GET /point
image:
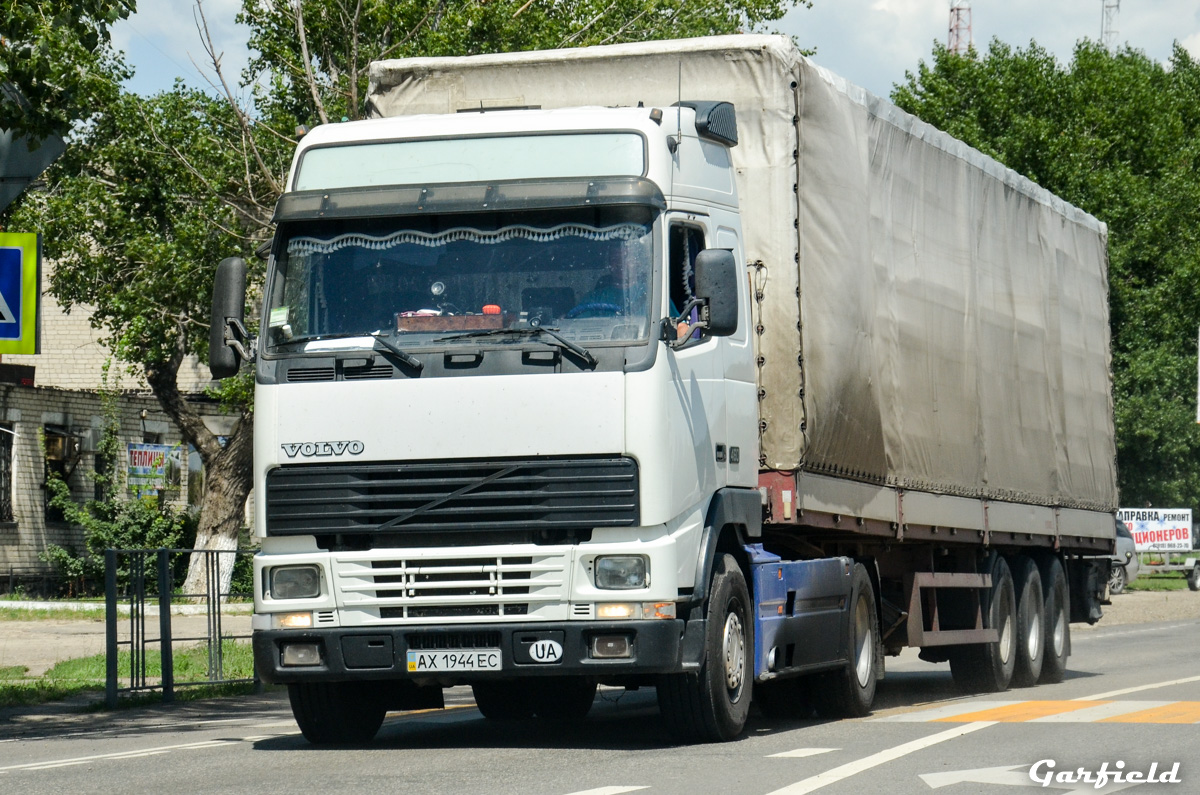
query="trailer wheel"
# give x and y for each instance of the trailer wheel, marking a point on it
(336, 713)
(1194, 578)
(1031, 622)
(563, 699)
(850, 691)
(1117, 579)
(712, 706)
(1058, 620)
(504, 700)
(988, 667)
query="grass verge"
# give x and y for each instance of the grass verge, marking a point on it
(84, 674)
(48, 614)
(1170, 581)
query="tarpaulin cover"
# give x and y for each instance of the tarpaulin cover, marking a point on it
(931, 320)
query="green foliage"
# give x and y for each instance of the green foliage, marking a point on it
(111, 524)
(57, 54)
(1118, 135)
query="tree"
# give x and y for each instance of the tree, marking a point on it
(58, 57)
(1118, 135)
(155, 192)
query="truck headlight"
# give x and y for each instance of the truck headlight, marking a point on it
(622, 572)
(295, 582)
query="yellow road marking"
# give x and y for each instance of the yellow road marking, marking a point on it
(1020, 711)
(1179, 712)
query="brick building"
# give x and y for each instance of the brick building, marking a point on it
(64, 407)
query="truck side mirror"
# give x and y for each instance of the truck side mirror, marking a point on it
(716, 283)
(228, 313)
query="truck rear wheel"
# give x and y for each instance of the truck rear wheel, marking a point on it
(850, 691)
(504, 700)
(988, 667)
(713, 706)
(1057, 613)
(336, 713)
(1031, 622)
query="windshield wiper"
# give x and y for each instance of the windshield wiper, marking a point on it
(533, 331)
(401, 354)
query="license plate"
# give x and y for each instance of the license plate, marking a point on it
(455, 660)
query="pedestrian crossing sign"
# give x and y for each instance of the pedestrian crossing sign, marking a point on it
(20, 292)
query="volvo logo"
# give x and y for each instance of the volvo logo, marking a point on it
(315, 449)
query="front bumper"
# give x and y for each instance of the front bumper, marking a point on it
(363, 653)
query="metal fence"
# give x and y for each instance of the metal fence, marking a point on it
(39, 582)
(142, 581)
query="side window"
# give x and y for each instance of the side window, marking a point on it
(62, 456)
(686, 242)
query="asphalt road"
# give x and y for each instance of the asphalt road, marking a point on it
(1132, 696)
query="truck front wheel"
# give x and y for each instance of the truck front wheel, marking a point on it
(504, 700)
(988, 667)
(712, 706)
(336, 713)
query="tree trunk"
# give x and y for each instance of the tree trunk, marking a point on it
(229, 475)
(227, 481)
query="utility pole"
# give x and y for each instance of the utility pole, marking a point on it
(1108, 23)
(959, 39)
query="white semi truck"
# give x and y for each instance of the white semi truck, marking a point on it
(680, 364)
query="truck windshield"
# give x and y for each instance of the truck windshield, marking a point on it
(423, 280)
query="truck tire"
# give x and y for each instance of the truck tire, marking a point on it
(565, 699)
(988, 667)
(1194, 578)
(504, 700)
(1031, 622)
(1117, 580)
(1058, 620)
(849, 691)
(712, 706)
(336, 713)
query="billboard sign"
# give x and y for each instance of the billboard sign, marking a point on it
(151, 467)
(1159, 529)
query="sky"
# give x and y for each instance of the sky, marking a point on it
(869, 42)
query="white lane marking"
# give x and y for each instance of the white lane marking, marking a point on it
(1138, 689)
(800, 753)
(607, 791)
(1091, 714)
(1011, 776)
(117, 755)
(949, 711)
(983, 775)
(874, 760)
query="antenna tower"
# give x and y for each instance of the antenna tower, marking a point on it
(1108, 23)
(960, 38)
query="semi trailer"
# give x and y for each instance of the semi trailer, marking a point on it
(681, 364)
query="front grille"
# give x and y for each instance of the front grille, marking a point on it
(307, 374)
(361, 373)
(449, 497)
(414, 587)
(434, 641)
